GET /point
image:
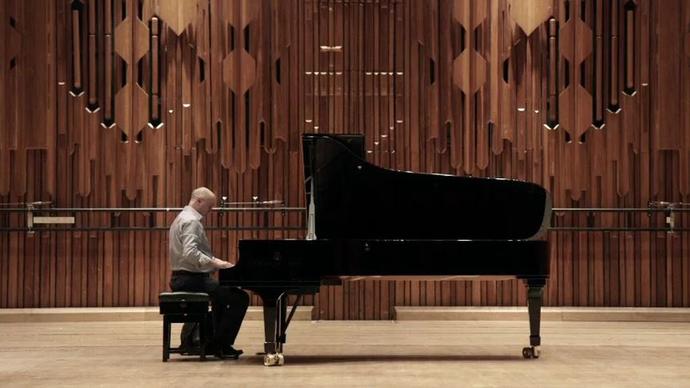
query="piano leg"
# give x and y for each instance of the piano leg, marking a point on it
(275, 307)
(535, 297)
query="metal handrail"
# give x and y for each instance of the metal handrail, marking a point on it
(613, 229)
(145, 209)
(115, 213)
(619, 210)
(289, 208)
(670, 209)
(148, 229)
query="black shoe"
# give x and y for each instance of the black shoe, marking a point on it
(225, 352)
(189, 349)
(213, 349)
(231, 352)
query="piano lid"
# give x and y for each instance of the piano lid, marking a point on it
(354, 199)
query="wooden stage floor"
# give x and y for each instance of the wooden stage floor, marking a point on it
(356, 353)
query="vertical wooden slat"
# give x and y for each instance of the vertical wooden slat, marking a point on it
(629, 270)
(92, 69)
(598, 73)
(76, 51)
(667, 108)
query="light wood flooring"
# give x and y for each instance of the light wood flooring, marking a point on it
(355, 353)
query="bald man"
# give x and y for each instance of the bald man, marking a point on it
(192, 263)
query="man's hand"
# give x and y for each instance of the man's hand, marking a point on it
(220, 264)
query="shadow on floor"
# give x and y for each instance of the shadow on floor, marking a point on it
(348, 358)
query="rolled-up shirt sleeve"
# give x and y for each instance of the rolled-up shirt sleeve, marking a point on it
(191, 237)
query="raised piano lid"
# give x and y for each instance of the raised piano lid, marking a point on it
(354, 199)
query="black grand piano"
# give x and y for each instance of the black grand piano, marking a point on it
(365, 220)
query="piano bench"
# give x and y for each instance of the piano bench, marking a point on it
(183, 307)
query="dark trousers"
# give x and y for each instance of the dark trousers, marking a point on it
(228, 305)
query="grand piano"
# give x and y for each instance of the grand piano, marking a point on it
(368, 221)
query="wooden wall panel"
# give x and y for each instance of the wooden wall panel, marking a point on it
(133, 103)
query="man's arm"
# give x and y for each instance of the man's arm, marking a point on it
(191, 239)
(220, 264)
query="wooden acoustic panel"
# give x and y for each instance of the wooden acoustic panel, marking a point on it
(133, 103)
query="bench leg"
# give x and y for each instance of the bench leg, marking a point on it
(166, 339)
(202, 338)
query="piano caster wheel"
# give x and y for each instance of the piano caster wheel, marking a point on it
(274, 359)
(530, 352)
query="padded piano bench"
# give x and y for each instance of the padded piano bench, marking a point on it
(181, 307)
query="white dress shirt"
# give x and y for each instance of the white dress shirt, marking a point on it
(188, 246)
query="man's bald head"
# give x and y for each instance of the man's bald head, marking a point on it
(202, 200)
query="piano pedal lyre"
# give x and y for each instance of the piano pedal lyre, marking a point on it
(274, 359)
(531, 352)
